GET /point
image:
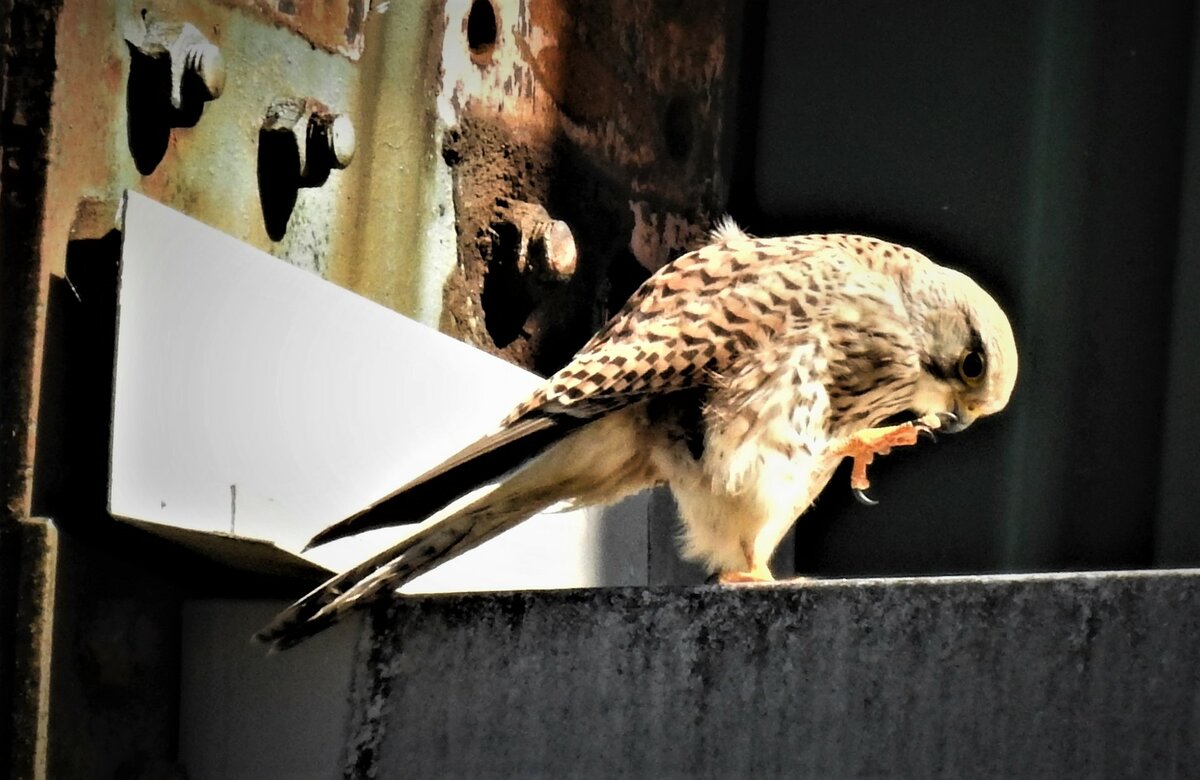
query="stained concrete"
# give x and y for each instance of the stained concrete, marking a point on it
(1087, 675)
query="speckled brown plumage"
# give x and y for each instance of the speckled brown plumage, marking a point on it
(739, 375)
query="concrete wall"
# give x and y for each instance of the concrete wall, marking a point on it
(244, 715)
(1083, 675)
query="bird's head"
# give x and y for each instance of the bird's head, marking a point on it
(969, 356)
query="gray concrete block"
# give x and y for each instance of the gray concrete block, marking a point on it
(1086, 675)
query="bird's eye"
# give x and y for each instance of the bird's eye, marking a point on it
(971, 367)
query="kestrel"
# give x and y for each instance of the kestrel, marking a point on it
(739, 375)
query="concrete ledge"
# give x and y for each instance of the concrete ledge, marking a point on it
(1081, 675)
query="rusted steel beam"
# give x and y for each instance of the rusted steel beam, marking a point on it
(333, 25)
(610, 117)
(27, 73)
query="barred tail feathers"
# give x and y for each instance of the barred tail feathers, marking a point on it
(390, 570)
(590, 466)
(489, 458)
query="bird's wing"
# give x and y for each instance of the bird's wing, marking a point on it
(481, 462)
(687, 322)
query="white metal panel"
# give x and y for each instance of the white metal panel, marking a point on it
(257, 399)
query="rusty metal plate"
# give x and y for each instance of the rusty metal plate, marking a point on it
(334, 25)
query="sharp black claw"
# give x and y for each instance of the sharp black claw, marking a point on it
(927, 432)
(863, 498)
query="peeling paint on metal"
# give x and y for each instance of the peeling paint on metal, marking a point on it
(440, 245)
(580, 108)
(333, 25)
(346, 229)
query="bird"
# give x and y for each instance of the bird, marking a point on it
(739, 375)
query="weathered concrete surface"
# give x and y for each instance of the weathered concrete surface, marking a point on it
(1090, 675)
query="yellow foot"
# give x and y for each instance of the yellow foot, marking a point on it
(761, 574)
(865, 445)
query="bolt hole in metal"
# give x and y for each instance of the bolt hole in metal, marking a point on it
(506, 298)
(278, 180)
(482, 31)
(148, 114)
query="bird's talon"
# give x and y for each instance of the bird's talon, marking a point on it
(863, 498)
(758, 574)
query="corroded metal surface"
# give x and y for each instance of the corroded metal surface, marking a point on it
(209, 170)
(27, 70)
(334, 25)
(27, 566)
(639, 87)
(609, 115)
(27, 43)
(34, 627)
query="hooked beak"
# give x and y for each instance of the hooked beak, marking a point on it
(960, 419)
(952, 422)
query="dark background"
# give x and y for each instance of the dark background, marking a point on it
(1049, 150)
